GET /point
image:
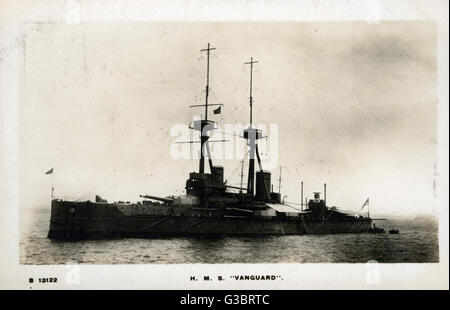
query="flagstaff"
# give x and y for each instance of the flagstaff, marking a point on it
(51, 172)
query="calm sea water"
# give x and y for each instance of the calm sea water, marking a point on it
(417, 242)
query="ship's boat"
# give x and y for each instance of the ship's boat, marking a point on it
(210, 206)
(394, 231)
(376, 230)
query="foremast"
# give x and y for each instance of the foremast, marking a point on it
(204, 126)
(206, 186)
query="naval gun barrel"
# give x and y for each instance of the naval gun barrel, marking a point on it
(167, 200)
(236, 187)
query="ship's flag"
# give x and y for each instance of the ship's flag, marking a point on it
(365, 204)
(217, 111)
(50, 171)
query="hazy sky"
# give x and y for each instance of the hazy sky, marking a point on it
(355, 105)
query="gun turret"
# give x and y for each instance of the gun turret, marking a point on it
(166, 200)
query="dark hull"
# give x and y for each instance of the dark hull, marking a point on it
(83, 220)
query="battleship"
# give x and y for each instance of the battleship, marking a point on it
(209, 207)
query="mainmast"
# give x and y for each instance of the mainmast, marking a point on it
(251, 88)
(252, 134)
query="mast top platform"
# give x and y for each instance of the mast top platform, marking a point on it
(253, 134)
(204, 125)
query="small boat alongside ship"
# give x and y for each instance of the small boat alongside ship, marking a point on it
(376, 230)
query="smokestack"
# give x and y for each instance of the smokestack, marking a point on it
(325, 193)
(301, 198)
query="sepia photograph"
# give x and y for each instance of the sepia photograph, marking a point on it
(192, 145)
